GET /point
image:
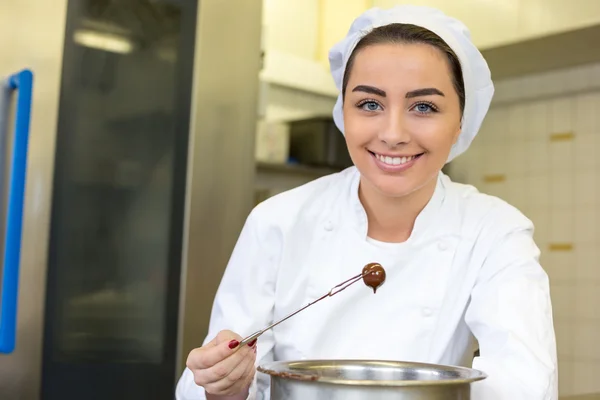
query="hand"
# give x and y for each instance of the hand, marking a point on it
(221, 370)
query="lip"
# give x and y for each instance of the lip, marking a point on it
(394, 168)
(393, 155)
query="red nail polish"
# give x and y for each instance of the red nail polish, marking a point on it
(233, 344)
(252, 343)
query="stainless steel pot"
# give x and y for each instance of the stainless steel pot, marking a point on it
(370, 380)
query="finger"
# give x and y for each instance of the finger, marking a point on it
(226, 336)
(221, 337)
(250, 372)
(224, 368)
(212, 343)
(236, 381)
(209, 356)
(239, 373)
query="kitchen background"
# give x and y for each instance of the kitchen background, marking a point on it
(129, 174)
(538, 148)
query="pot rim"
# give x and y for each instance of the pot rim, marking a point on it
(280, 369)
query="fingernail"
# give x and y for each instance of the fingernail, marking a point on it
(233, 344)
(252, 343)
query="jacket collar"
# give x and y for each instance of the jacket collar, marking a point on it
(424, 224)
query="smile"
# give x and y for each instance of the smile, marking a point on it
(394, 164)
(395, 160)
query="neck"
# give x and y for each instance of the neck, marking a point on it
(392, 219)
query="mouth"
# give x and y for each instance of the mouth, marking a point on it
(395, 160)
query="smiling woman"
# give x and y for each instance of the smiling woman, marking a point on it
(461, 267)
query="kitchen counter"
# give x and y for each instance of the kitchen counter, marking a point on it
(594, 396)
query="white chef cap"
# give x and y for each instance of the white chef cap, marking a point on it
(479, 88)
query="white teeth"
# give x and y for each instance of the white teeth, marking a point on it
(394, 160)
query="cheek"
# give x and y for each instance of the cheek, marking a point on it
(434, 135)
(358, 129)
(355, 142)
(358, 136)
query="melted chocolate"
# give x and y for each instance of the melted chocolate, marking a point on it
(373, 275)
(290, 375)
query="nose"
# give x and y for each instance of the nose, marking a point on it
(394, 131)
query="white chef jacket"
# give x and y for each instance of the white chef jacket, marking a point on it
(468, 274)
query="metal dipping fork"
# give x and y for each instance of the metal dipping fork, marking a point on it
(335, 290)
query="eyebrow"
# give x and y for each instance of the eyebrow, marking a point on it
(370, 90)
(424, 92)
(411, 94)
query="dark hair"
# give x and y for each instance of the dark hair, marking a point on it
(410, 34)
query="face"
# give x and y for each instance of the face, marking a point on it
(401, 116)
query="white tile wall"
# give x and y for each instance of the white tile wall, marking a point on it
(557, 185)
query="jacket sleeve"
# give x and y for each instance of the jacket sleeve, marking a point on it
(510, 314)
(245, 299)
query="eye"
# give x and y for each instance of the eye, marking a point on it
(369, 105)
(424, 108)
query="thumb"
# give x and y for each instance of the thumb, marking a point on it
(214, 351)
(226, 336)
(222, 337)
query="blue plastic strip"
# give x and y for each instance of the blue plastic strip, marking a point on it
(23, 82)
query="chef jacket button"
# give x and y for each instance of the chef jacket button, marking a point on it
(427, 312)
(442, 246)
(328, 226)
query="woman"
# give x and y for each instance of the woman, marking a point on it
(461, 266)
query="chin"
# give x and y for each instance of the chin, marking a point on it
(397, 186)
(394, 187)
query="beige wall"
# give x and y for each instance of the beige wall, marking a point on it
(308, 28)
(335, 18)
(499, 22)
(291, 26)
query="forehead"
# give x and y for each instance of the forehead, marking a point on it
(403, 66)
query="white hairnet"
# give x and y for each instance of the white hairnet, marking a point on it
(479, 88)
